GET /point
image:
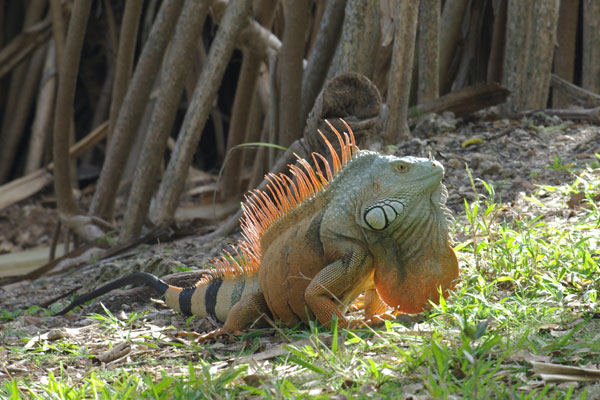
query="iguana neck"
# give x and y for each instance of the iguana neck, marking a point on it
(413, 262)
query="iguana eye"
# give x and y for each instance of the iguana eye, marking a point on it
(401, 167)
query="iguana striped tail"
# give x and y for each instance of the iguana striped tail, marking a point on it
(213, 295)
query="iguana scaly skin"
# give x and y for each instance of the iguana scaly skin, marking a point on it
(373, 223)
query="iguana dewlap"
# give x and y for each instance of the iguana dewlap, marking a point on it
(373, 223)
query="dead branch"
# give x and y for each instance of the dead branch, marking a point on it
(579, 94)
(133, 108)
(396, 124)
(462, 102)
(206, 89)
(590, 114)
(189, 29)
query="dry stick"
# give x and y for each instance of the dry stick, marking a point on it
(64, 109)
(429, 50)
(360, 33)
(564, 54)
(124, 61)
(396, 125)
(242, 104)
(582, 96)
(450, 25)
(590, 114)
(189, 30)
(40, 130)
(290, 71)
(206, 89)
(133, 108)
(321, 54)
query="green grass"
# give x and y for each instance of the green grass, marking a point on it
(528, 290)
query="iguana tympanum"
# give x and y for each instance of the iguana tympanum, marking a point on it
(373, 223)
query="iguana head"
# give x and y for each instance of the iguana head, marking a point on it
(404, 221)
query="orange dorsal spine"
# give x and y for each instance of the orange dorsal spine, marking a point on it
(262, 208)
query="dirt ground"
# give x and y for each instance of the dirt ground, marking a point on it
(515, 155)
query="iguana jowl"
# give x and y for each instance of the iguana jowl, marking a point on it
(372, 223)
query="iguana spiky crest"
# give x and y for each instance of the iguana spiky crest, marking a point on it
(262, 209)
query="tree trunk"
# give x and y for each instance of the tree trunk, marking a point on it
(220, 52)
(189, 29)
(530, 38)
(358, 45)
(290, 71)
(429, 50)
(133, 108)
(396, 125)
(591, 46)
(564, 55)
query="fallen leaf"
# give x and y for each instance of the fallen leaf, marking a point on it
(471, 141)
(557, 372)
(117, 351)
(575, 200)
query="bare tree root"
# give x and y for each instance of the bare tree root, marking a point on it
(186, 37)
(67, 207)
(197, 113)
(321, 54)
(125, 53)
(133, 108)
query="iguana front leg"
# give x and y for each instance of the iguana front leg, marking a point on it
(375, 309)
(325, 292)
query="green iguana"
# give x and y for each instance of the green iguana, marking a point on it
(373, 223)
